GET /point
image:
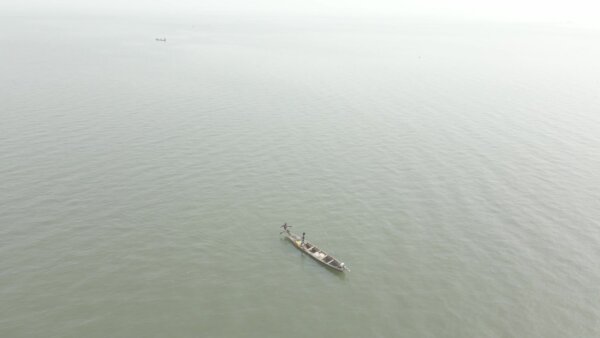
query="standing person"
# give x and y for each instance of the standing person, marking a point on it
(285, 228)
(302, 243)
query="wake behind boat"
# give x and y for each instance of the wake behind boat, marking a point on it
(311, 250)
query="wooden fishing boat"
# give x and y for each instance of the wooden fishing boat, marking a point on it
(314, 252)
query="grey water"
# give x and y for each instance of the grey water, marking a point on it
(454, 167)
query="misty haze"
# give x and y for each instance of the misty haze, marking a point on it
(446, 158)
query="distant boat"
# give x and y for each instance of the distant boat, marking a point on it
(163, 39)
(311, 250)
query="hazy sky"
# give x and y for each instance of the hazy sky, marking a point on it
(575, 11)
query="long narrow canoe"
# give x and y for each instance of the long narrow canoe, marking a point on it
(314, 252)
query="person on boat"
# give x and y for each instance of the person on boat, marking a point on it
(285, 228)
(302, 243)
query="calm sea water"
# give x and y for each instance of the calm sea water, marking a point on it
(455, 168)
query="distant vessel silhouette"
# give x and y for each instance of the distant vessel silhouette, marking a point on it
(163, 39)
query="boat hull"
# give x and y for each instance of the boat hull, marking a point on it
(315, 253)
